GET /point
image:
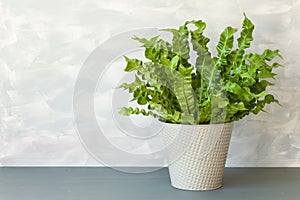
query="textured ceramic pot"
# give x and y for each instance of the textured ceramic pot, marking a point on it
(197, 154)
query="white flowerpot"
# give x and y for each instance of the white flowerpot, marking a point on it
(197, 154)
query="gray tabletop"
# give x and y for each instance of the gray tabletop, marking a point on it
(104, 183)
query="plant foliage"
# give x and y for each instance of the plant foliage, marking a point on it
(221, 88)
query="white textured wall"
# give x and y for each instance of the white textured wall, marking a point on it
(43, 45)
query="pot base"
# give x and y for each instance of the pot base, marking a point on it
(197, 189)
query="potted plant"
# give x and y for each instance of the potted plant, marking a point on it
(199, 102)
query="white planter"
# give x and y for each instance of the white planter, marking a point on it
(197, 154)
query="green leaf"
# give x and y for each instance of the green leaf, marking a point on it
(184, 93)
(147, 43)
(244, 42)
(266, 74)
(270, 55)
(276, 65)
(261, 86)
(132, 64)
(270, 99)
(134, 85)
(225, 45)
(238, 90)
(180, 43)
(248, 80)
(246, 34)
(129, 111)
(198, 40)
(174, 62)
(237, 107)
(261, 103)
(157, 50)
(125, 111)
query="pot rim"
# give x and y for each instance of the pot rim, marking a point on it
(221, 123)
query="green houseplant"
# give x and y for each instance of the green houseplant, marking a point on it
(215, 90)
